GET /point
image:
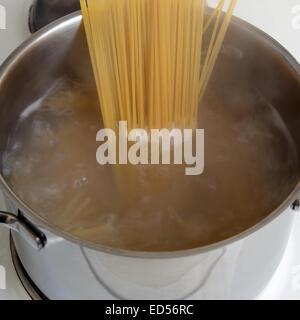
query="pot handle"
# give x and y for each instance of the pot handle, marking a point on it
(31, 234)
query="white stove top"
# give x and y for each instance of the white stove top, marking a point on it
(281, 19)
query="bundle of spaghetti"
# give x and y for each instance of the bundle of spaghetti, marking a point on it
(148, 61)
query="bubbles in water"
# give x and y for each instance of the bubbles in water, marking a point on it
(51, 164)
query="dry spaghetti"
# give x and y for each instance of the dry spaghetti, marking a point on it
(148, 61)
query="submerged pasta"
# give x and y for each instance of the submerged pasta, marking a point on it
(50, 163)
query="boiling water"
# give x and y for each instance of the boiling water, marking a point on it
(250, 165)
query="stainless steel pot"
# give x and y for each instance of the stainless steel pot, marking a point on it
(64, 267)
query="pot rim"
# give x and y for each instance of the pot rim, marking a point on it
(43, 223)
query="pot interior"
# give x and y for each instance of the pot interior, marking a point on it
(49, 117)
